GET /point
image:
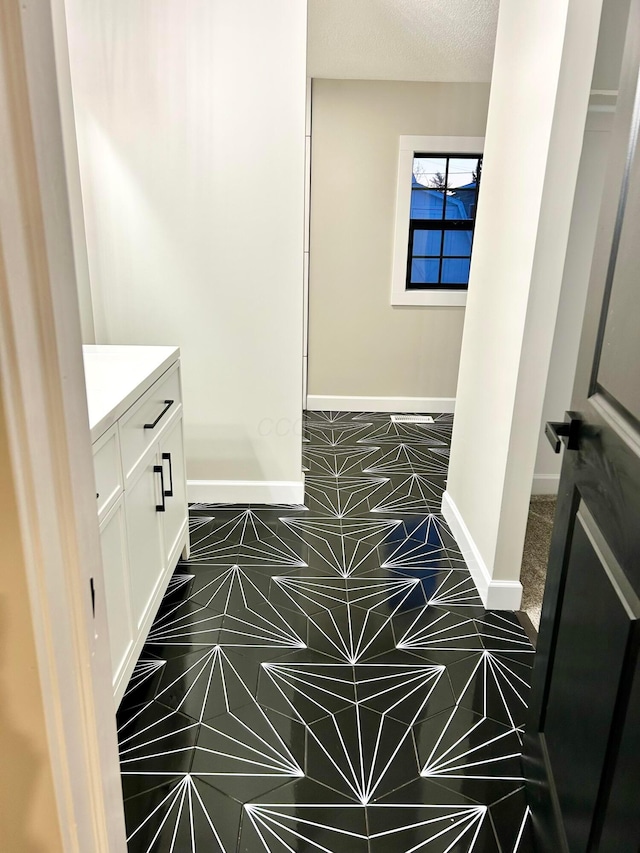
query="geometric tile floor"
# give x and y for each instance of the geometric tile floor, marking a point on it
(324, 677)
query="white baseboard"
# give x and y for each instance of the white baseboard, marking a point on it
(245, 491)
(495, 594)
(543, 485)
(423, 405)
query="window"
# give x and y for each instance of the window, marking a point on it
(444, 197)
(437, 198)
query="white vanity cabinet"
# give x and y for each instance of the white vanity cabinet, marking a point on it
(135, 413)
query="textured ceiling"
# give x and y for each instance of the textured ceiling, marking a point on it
(434, 40)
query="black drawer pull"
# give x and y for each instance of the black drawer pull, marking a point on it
(158, 469)
(167, 406)
(169, 492)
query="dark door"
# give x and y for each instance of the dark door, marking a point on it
(582, 748)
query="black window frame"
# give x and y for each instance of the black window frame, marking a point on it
(442, 225)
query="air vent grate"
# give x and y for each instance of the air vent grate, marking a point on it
(411, 419)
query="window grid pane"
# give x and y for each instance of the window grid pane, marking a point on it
(425, 270)
(455, 270)
(458, 243)
(427, 243)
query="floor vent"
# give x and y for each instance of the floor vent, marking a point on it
(412, 419)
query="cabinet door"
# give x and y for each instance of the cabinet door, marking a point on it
(144, 537)
(174, 519)
(113, 543)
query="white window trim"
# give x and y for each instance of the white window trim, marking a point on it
(409, 145)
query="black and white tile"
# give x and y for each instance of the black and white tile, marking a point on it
(324, 677)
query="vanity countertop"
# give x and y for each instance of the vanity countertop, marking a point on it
(116, 376)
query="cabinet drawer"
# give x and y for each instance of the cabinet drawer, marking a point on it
(108, 470)
(144, 422)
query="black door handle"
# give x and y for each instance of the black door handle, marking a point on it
(167, 406)
(567, 431)
(169, 491)
(158, 469)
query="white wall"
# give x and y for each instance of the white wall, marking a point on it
(539, 97)
(191, 132)
(359, 344)
(573, 296)
(28, 810)
(611, 38)
(76, 209)
(564, 355)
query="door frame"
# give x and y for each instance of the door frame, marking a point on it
(307, 239)
(44, 399)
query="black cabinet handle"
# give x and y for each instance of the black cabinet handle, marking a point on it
(167, 406)
(558, 431)
(158, 469)
(169, 491)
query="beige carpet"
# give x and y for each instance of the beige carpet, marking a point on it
(536, 554)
